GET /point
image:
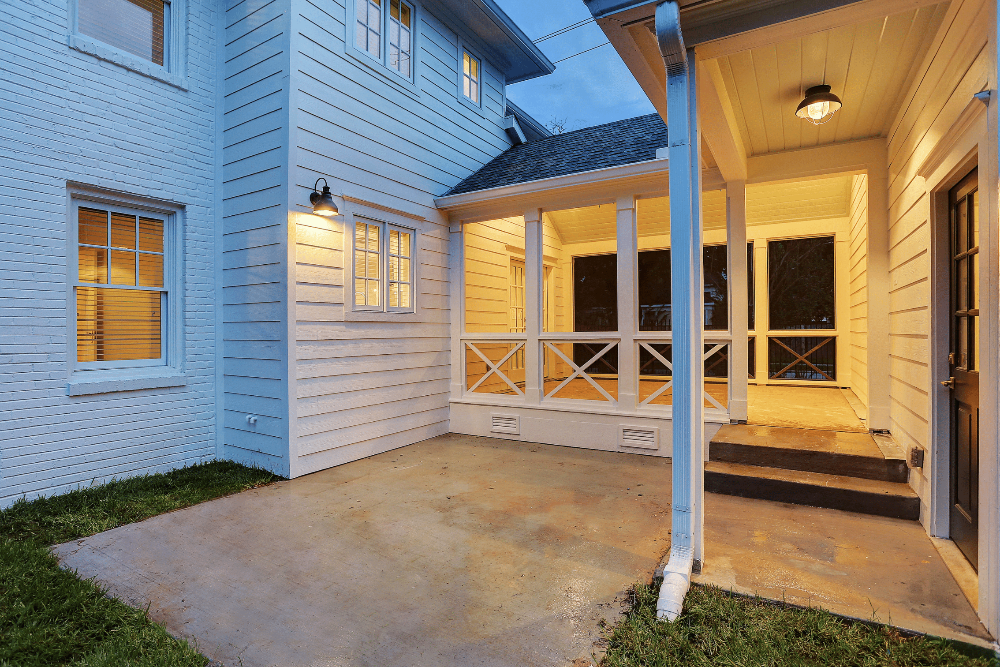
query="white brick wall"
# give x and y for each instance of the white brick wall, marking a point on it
(66, 116)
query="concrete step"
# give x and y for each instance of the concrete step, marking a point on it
(827, 452)
(839, 492)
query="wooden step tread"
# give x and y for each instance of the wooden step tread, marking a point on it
(813, 479)
(801, 439)
(839, 492)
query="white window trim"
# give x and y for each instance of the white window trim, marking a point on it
(383, 312)
(380, 66)
(462, 50)
(174, 68)
(110, 376)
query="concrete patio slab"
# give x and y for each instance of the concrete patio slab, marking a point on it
(455, 551)
(850, 564)
(474, 551)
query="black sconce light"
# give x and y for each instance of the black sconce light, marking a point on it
(323, 202)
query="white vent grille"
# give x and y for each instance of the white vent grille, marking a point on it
(505, 424)
(643, 437)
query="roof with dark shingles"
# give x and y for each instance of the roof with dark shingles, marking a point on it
(599, 147)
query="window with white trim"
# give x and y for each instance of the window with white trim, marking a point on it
(386, 36)
(120, 290)
(470, 77)
(138, 27)
(383, 267)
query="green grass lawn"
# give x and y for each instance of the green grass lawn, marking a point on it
(717, 628)
(49, 616)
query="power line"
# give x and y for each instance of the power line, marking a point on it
(562, 31)
(580, 53)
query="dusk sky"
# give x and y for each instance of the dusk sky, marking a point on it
(589, 89)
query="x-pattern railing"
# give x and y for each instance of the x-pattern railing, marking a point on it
(494, 369)
(578, 371)
(669, 383)
(802, 358)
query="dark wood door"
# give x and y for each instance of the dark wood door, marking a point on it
(963, 361)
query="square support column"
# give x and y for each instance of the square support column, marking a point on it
(628, 303)
(736, 238)
(456, 278)
(533, 304)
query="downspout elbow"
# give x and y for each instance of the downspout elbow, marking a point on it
(676, 582)
(670, 39)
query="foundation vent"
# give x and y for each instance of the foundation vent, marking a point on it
(510, 424)
(643, 437)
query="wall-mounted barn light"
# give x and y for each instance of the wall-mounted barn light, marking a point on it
(819, 105)
(323, 202)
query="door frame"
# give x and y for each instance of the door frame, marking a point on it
(965, 147)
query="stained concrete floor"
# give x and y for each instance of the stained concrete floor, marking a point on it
(823, 408)
(454, 551)
(475, 551)
(850, 564)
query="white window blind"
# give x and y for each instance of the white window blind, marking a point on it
(367, 264)
(120, 292)
(138, 27)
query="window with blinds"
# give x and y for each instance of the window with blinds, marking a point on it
(138, 27)
(120, 291)
(383, 267)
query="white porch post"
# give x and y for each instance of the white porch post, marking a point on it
(628, 318)
(878, 295)
(533, 388)
(736, 238)
(687, 311)
(456, 277)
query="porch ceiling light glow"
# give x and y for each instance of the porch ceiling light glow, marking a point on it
(819, 105)
(322, 203)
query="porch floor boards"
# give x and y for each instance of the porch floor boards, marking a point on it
(821, 408)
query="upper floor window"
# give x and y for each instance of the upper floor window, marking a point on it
(373, 25)
(470, 77)
(138, 27)
(120, 288)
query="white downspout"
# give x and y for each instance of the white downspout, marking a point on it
(686, 288)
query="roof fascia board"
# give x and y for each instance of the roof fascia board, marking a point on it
(603, 8)
(516, 39)
(647, 178)
(527, 121)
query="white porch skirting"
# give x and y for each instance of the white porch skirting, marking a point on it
(588, 430)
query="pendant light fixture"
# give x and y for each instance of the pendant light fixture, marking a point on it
(819, 105)
(323, 203)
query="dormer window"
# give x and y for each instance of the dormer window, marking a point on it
(386, 36)
(470, 77)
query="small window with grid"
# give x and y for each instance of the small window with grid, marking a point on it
(470, 77)
(368, 29)
(383, 267)
(400, 270)
(400, 29)
(120, 291)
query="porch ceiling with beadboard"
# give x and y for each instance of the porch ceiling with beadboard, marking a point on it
(868, 51)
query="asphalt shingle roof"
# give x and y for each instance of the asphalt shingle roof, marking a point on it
(599, 147)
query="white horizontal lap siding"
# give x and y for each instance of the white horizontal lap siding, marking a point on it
(254, 252)
(859, 287)
(367, 386)
(956, 67)
(68, 117)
